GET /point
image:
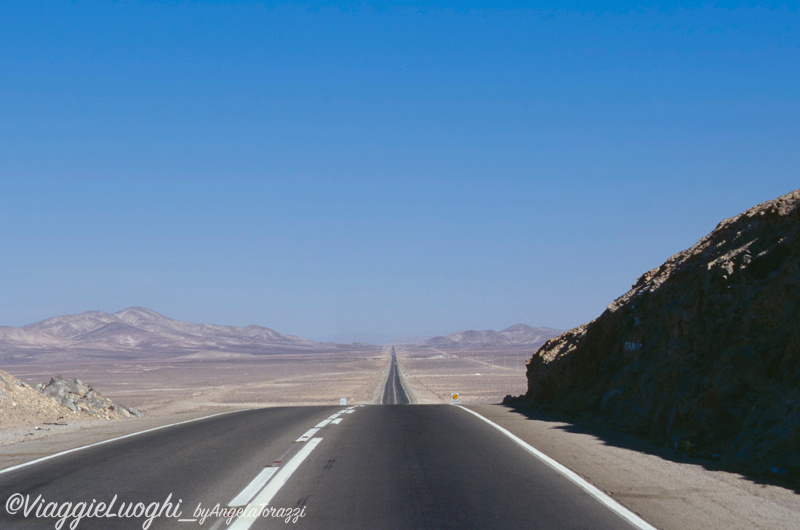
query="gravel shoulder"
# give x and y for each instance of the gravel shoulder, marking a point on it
(668, 494)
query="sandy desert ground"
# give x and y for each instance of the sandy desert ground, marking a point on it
(205, 382)
(211, 382)
(158, 387)
(479, 376)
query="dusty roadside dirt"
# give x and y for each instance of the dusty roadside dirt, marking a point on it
(667, 493)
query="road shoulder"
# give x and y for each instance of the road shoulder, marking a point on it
(24, 444)
(668, 494)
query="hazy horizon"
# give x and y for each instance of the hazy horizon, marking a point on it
(358, 169)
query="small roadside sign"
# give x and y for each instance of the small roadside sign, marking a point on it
(342, 401)
(454, 397)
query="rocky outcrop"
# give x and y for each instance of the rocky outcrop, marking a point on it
(22, 404)
(703, 353)
(60, 400)
(79, 397)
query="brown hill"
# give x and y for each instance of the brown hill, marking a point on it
(141, 332)
(702, 354)
(516, 335)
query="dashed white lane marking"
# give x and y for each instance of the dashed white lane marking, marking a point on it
(333, 418)
(610, 503)
(253, 510)
(311, 432)
(250, 491)
(245, 497)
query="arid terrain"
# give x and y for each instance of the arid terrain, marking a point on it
(669, 493)
(141, 359)
(479, 376)
(167, 386)
(159, 387)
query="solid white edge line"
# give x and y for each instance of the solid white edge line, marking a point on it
(256, 505)
(250, 491)
(81, 448)
(610, 503)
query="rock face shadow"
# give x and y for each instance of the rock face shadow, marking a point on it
(628, 441)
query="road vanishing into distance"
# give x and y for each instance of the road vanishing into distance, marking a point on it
(370, 467)
(393, 392)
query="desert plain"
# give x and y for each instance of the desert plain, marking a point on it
(208, 381)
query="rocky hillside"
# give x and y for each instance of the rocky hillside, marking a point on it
(702, 354)
(60, 400)
(517, 335)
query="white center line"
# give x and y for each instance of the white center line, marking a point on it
(311, 432)
(250, 491)
(253, 510)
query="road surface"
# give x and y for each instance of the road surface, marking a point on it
(372, 467)
(393, 392)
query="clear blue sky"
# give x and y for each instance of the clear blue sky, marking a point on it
(363, 170)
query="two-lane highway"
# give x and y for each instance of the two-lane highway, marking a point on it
(372, 467)
(433, 466)
(394, 393)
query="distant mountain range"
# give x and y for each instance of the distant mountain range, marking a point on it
(138, 332)
(144, 332)
(519, 335)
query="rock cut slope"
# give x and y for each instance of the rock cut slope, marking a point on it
(702, 354)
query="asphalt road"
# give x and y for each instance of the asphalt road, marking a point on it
(372, 467)
(393, 392)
